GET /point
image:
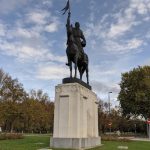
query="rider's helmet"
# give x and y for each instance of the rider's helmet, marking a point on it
(77, 25)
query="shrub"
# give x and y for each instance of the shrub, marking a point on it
(10, 136)
(113, 138)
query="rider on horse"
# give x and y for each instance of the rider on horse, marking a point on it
(77, 36)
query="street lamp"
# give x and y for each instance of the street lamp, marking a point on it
(109, 100)
(110, 123)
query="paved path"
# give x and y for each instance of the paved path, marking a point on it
(136, 138)
(140, 139)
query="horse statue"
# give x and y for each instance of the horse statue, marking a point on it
(74, 55)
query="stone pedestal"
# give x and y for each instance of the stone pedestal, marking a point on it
(75, 117)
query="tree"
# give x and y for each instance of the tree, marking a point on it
(19, 111)
(38, 112)
(39, 95)
(2, 78)
(103, 116)
(134, 96)
(12, 94)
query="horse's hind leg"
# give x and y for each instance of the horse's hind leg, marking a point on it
(87, 74)
(80, 71)
(70, 65)
(75, 71)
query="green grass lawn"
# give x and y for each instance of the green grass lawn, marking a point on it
(36, 142)
(28, 143)
(109, 145)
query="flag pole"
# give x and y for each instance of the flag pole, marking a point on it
(69, 7)
(69, 13)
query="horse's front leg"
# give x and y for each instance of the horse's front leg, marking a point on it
(70, 65)
(75, 66)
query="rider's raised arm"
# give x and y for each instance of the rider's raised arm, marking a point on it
(68, 21)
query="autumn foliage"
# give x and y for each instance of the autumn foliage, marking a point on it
(21, 111)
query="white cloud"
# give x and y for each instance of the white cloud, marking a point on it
(24, 52)
(17, 50)
(127, 19)
(43, 20)
(94, 30)
(25, 41)
(2, 30)
(30, 53)
(8, 48)
(134, 43)
(53, 27)
(124, 47)
(104, 72)
(112, 35)
(38, 17)
(47, 2)
(17, 31)
(52, 71)
(7, 6)
(146, 19)
(148, 35)
(92, 8)
(141, 6)
(105, 87)
(23, 33)
(124, 20)
(52, 57)
(119, 29)
(102, 89)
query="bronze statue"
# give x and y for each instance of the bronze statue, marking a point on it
(75, 43)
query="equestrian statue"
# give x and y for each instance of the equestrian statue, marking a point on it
(75, 44)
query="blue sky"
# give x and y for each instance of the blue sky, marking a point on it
(33, 37)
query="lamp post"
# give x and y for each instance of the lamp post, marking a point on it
(109, 101)
(135, 128)
(110, 123)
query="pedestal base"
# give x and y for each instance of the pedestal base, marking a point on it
(76, 80)
(75, 117)
(75, 143)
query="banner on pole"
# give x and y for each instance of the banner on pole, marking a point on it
(67, 7)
